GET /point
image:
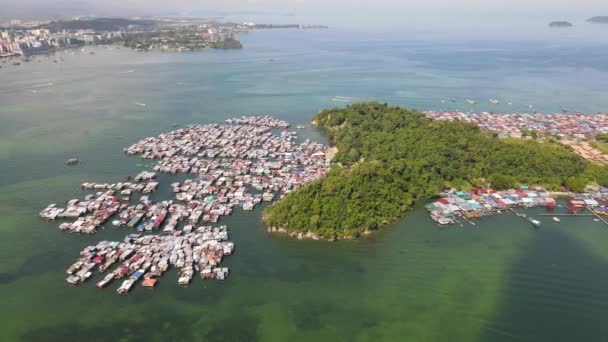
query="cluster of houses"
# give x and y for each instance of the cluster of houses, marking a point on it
(146, 258)
(479, 202)
(475, 203)
(237, 165)
(564, 126)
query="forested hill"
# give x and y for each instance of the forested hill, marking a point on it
(389, 157)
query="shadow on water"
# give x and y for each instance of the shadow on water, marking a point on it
(555, 292)
(166, 327)
(34, 265)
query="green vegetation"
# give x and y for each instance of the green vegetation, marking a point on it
(98, 24)
(175, 41)
(600, 145)
(602, 137)
(227, 44)
(389, 157)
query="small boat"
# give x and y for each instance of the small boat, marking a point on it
(494, 101)
(471, 102)
(535, 222)
(510, 103)
(300, 126)
(72, 161)
(453, 99)
(556, 219)
(105, 281)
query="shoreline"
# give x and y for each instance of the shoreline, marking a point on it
(310, 235)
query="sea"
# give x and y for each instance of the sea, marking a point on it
(497, 280)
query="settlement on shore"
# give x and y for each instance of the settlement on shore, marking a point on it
(239, 164)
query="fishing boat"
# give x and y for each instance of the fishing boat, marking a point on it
(72, 161)
(126, 286)
(105, 281)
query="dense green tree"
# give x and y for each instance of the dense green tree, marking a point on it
(389, 157)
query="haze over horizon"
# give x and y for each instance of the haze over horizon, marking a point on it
(353, 14)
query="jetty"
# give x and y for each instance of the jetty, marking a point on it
(477, 203)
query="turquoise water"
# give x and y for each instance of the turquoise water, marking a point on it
(498, 280)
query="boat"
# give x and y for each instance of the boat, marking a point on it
(105, 281)
(126, 286)
(73, 280)
(510, 103)
(494, 101)
(300, 126)
(471, 102)
(72, 161)
(556, 219)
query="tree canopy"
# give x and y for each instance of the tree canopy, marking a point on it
(389, 157)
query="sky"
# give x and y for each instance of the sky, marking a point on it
(350, 13)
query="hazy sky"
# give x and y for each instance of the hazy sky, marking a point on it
(344, 12)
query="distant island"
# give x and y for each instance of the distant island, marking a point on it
(390, 157)
(560, 24)
(598, 20)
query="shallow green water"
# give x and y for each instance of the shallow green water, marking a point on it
(497, 281)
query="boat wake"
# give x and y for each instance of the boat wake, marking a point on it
(31, 88)
(342, 99)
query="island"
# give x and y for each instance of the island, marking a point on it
(560, 24)
(598, 20)
(390, 157)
